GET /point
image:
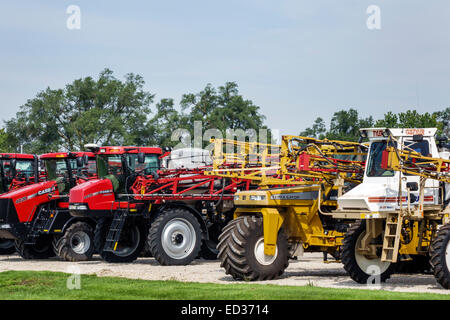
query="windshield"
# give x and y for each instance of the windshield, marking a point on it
(56, 169)
(422, 147)
(24, 168)
(150, 165)
(86, 171)
(111, 167)
(375, 156)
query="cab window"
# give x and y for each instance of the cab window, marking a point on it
(374, 168)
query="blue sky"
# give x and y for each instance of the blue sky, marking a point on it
(296, 59)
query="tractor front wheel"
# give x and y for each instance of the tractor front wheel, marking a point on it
(175, 237)
(42, 249)
(241, 251)
(362, 268)
(77, 243)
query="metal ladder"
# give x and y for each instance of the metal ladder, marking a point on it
(392, 233)
(115, 229)
(38, 226)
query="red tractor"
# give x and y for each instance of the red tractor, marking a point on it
(37, 216)
(16, 170)
(178, 213)
(108, 200)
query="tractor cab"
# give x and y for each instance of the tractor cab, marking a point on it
(16, 170)
(121, 165)
(117, 170)
(68, 169)
(380, 188)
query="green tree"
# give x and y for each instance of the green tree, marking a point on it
(444, 118)
(390, 121)
(104, 111)
(3, 141)
(345, 125)
(164, 122)
(223, 109)
(412, 119)
(318, 129)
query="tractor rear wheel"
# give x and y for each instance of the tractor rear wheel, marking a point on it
(130, 244)
(42, 249)
(361, 268)
(440, 256)
(7, 247)
(77, 243)
(241, 251)
(175, 237)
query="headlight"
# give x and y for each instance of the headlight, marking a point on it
(78, 207)
(5, 226)
(257, 198)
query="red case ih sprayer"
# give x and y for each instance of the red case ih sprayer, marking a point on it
(179, 213)
(37, 216)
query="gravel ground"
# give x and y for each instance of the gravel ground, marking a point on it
(308, 270)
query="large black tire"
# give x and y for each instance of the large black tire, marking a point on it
(77, 243)
(440, 256)
(356, 265)
(131, 242)
(7, 247)
(42, 249)
(241, 252)
(175, 237)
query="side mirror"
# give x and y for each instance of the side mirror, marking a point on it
(141, 157)
(413, 186)
(80, 162)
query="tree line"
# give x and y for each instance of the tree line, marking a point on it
(110, 111)
(345, 124)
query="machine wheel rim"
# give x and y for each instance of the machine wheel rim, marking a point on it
(262, 258)
(178, 238)
(80, 242)
(366, 264)
(134, 235)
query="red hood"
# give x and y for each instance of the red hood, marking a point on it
(26, 200)
(97, 194)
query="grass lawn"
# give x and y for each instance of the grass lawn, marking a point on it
(52, 285)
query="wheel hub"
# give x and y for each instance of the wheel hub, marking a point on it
(261, 257)
(178, 238)
(80, 242)
(369, 263)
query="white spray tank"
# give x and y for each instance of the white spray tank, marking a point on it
(187, 158)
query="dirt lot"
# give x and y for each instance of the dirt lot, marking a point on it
(308, 270)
